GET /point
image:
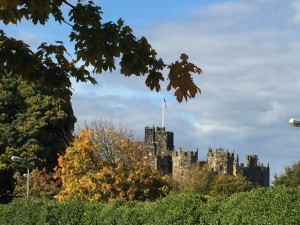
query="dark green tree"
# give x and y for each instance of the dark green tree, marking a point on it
(291, 177)
(97, 44)
(35, 123)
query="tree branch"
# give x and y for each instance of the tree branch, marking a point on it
(69, 4)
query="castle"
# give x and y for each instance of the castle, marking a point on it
(159, 149)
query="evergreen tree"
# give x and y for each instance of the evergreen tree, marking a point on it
(36, 123)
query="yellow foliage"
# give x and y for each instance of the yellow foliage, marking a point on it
(131, 176)
(104, 164)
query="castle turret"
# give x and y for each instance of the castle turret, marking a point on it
(258, 174)
(251, 160)
(236, 166)
(220, 161)
(159, 145)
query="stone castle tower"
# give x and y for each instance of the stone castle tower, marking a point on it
(161, 156)
(222, 162)
(159, 146)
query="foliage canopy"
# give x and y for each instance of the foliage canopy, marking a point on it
(105, 164)
(36, 123)
(97, 44)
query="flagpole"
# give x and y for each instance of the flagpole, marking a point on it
(163, 113)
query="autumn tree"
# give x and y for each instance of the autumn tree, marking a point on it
(291, 176)
(203, 180)
(105, 163)
(35, 123)
(199, 179)
(42, 184)
(115, 145)
(228, 185)
(97, 45)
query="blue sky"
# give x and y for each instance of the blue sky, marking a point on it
(249, 52)
(149, 13)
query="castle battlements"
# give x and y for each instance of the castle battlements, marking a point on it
(183, 153)
(159, 148)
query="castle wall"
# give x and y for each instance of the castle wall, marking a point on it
(163, 164)
(220, 161)
(182, 162)
(160, 155)
(224, 163)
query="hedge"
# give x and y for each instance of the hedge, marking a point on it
(273, 205)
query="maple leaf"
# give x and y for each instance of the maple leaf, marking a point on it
(181, 78)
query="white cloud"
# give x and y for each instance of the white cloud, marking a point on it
(274, 113)
(296, 5)
(249, 52)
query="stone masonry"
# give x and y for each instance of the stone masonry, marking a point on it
(161, 156)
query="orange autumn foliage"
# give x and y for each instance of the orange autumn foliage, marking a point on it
(42, 184)
(105, 164)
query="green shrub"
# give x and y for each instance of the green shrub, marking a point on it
(274, 205)
(180, 209)
(23, 211)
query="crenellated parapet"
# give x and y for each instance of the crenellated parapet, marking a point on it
(160, 154)
(188, 155)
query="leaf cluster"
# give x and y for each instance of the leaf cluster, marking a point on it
(13, 11)
(181, 78)
(97, 45)
(48, 67)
